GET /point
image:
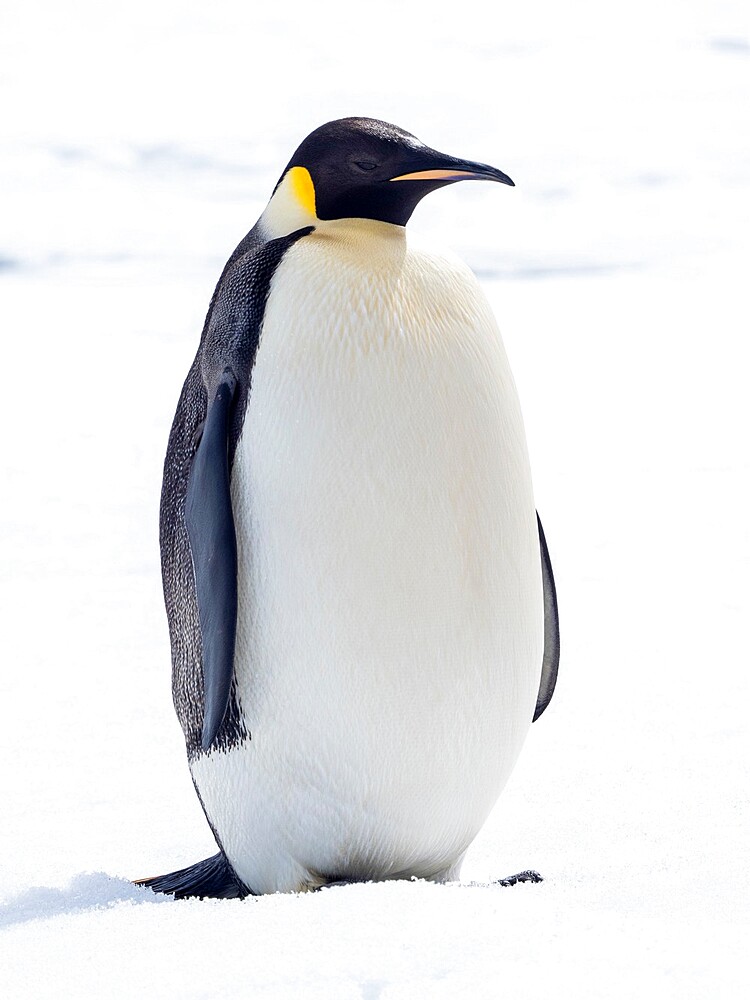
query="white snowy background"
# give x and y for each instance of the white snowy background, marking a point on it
(138, 143)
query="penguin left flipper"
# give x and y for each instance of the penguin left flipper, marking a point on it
(551, 657)
(224, 363)
(213, 545)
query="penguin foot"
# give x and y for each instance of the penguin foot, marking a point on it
(527, 876)
(213, 878)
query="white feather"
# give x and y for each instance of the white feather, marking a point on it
(390, 625)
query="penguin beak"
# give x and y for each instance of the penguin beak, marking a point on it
(446, 169)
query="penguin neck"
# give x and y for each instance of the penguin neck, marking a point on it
(363, 231)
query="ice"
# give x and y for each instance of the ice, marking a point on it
(139, 144)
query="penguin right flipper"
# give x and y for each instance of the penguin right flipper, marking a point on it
(213, 878)
(551, 657)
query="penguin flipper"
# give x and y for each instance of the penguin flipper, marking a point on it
(213, 878)
(551, 657)
(213, 546)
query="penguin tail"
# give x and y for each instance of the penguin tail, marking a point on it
(213, 878)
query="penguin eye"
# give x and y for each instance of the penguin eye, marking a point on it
(365, 164)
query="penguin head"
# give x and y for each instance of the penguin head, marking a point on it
(361, 168)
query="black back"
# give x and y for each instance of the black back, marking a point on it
(229, 342)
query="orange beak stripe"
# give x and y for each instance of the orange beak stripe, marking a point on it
(435, 175)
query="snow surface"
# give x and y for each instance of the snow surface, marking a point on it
(139, 143)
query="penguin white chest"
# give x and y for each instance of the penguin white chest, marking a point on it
(390, 625)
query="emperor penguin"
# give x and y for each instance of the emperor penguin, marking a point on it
(361, 605)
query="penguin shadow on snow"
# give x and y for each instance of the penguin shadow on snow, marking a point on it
(99, 891)
(85, 891)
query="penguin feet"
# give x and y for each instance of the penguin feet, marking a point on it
(527, 876)
(337, 884)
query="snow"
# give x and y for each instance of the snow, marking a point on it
(139, 144)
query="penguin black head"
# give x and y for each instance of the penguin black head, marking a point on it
(362, 168)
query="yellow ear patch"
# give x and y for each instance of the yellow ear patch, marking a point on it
(303, 188)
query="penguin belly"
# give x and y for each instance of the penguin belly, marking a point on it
(390, 626)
